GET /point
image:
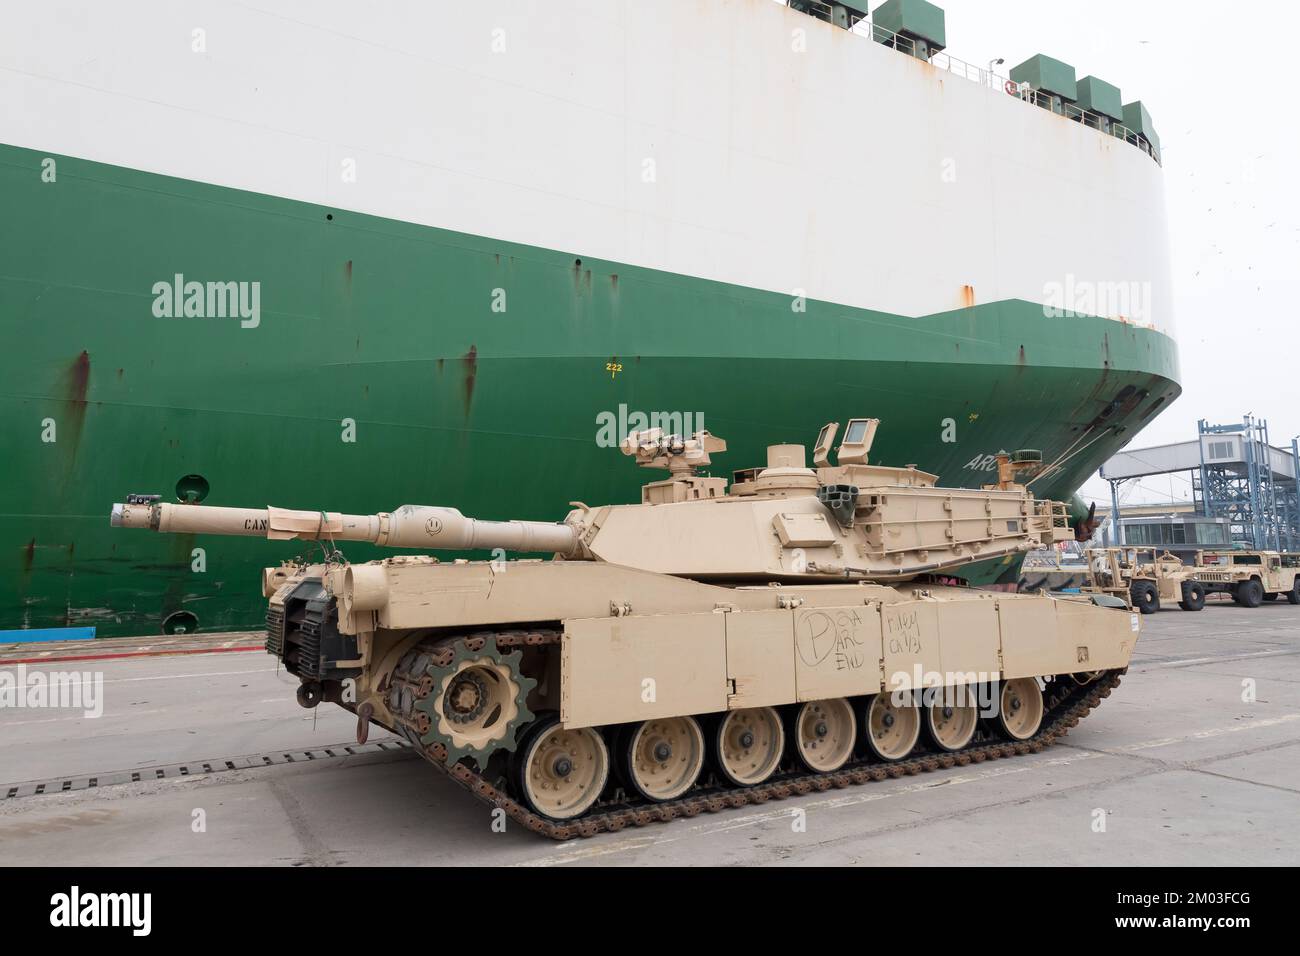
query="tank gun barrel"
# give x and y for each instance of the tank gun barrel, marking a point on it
(410, 526)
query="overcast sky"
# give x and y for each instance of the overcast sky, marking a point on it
(1219, 82)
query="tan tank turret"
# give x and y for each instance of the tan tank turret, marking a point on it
(710, 645)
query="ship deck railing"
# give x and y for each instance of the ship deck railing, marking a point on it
(985, 76)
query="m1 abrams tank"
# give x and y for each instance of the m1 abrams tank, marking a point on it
(709, 647)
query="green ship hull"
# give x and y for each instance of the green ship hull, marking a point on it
(465, 371)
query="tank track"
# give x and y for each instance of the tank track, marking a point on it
(1065, 702)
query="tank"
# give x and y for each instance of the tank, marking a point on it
(719, 643)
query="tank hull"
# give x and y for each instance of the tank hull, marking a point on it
(580, 697)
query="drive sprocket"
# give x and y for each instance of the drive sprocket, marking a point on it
(477, 703)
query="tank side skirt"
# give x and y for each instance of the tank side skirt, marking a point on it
(1065, 703)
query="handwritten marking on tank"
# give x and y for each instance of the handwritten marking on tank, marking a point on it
(904, 633)
(433, 526)
(823, 636)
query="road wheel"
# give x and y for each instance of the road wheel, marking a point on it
(1145, 597)
(949, 725)
(662, 758)
(562, 772)
(1294, 594)
(1193, 596)
(747, 745)
(890, 729)
(824, 732)
(1249, 593)
(1020, 708)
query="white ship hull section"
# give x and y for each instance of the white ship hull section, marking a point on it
(678, 135)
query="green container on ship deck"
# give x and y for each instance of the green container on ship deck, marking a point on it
(1050, 75)
(1100, 97)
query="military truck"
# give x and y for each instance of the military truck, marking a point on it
(1251, 577)
(711, 646)
(1148, 579)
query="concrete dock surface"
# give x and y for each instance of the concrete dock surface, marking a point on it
(202, 757)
